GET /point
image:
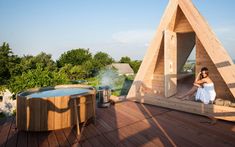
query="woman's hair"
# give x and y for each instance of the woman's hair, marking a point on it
(206, 71)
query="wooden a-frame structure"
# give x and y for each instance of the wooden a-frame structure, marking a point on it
(182, 27)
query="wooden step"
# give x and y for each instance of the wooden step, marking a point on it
(228, 74)
(210, 110)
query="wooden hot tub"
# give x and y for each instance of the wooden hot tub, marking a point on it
(51, 108)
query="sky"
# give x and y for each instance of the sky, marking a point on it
(119, 28)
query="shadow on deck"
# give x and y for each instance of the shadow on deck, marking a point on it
(129, 124)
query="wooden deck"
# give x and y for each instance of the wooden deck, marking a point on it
(129, 124)
(187, 105)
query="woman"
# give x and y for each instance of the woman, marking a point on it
(204, 87)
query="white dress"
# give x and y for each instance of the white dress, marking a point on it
(206, 94)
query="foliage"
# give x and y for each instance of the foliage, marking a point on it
(2, 88)
(38, 77)
(135, 65)
(93, 81)
(20, 73)
(45, 61)
(77, 72)
(100, 60)
(66, 70)
(74, 57)
(5, 54)
(188, 67)
(30, 62)
(14, 65)
(88, 68)
(103, 59)
(125, 60)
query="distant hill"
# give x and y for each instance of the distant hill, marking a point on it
(234, 61)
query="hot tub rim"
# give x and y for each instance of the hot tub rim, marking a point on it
(27, 92)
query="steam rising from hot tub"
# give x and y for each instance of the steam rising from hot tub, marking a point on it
(110, 77)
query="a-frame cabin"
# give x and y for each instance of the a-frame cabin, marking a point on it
(181, 29)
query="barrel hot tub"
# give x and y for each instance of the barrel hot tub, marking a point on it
(52, 108)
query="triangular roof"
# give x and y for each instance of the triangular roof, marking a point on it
(182, 15)
(123, 68)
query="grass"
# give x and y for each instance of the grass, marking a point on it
(94, 81)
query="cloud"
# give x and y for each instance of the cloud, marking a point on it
(132, 43)
(133, 37)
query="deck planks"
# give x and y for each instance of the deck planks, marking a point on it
(4, 130)
(42, 139)
(32, 139)
(129, 124)
(52, 139)
(71, 137)
(62, 140)
(12, 136)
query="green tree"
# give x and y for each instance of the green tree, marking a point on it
(5, 54)
(100, 60)
(38, 77)
(125, 60)
(74, 57)
(29, 62)
(88, 68)
(14, 65)
(135, 65)
(66, 70)
(103, 58)
(77, 72)
(45, 60)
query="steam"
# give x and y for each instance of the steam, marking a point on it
(109, 77)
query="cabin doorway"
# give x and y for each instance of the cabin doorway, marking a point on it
(179, 70)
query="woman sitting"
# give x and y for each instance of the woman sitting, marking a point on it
(204, 87)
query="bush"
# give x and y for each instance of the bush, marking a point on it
(74, 57)
(38, 77)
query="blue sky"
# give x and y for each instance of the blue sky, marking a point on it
(120, 28)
